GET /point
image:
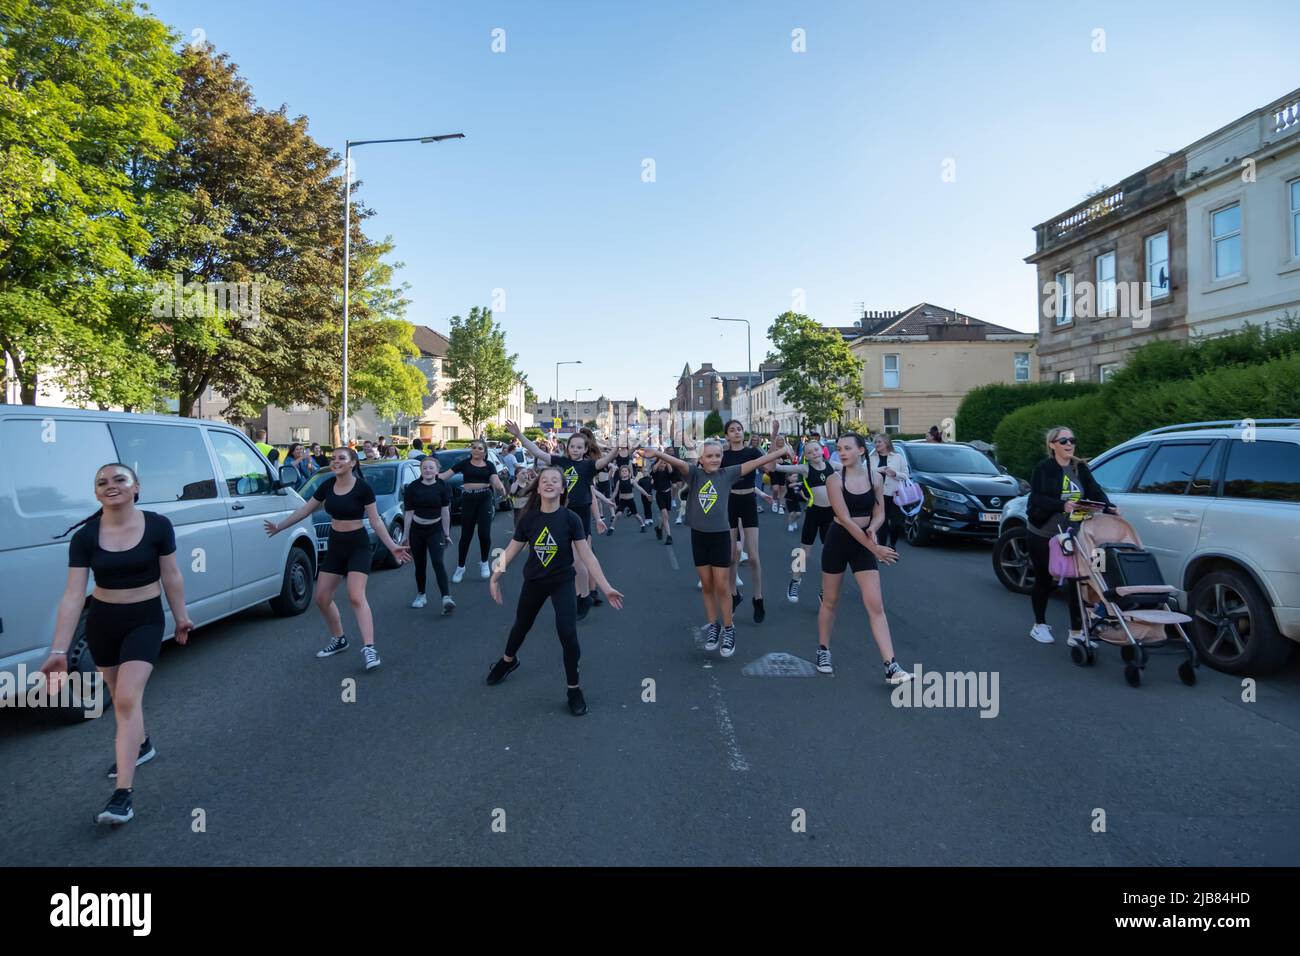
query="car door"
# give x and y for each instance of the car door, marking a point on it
(1168, 500)
(251, 497)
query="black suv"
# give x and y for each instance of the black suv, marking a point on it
(964, 491)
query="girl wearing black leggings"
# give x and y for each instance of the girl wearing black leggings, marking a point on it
(1057, 483)
(554, 537)
(477, 505)
(124, 622)
(427, 527)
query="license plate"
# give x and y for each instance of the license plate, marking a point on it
(994, 516)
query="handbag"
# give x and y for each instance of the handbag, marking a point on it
(1060, 564)
(907, 494)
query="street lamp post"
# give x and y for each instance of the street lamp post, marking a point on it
(557, 383)
(347, 247)
(749, 369)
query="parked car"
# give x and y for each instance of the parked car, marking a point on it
(1218, 504)
(964, 491)
(206, 477)
(449, 457)
(388, 479)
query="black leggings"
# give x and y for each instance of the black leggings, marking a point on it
(891, 532)
(476, 508)
(426, 539)
(531, 598)
(1045, 584)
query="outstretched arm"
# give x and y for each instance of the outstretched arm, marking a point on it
(663, 456)
(770, 457)
(542, 456)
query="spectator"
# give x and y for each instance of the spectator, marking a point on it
(300, 461)
(262, 445)
(934, 436)
(321, 459)
(417, 450)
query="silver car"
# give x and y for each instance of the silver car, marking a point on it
(206, 477)
(1218, 504)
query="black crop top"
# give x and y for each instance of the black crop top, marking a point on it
(860, 506)
(817, 476)
(118, 570)
(662, 478)
(427, 501)
(739, 457)
(625, 487)
(348, 507)
(475, 474)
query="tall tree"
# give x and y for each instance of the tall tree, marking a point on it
(482, 370)
(83, 88)
(819, 373)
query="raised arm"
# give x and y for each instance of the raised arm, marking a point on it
(543, 456)
(755, 463)
(663, 456)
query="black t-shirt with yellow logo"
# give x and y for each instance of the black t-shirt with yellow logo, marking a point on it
(548, 541)
(578, 476)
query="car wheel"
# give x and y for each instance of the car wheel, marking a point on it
(1011, 562)
(94, 699)
(917, 536)
(1232, 625)
(382, 557)
(299, 584)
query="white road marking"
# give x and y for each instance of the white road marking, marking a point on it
(735, 759)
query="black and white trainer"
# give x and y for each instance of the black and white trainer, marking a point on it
(824, 661)
(792, 592)
(147, 753)
(336, 646)
(371, 655)
(501, 670)
(118, 809)
(895, 674)
(712, 635)
(728, 640)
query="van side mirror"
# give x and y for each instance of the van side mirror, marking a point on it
(290, 477)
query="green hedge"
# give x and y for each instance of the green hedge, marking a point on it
(1104, 419)
(1169, 361)
(984, 407)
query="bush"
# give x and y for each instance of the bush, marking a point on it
(713, 424)
(984, 407)
(1104, 419)
(1169, 361)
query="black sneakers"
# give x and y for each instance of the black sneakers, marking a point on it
(596, 599)
(735, 601)
(336, 646)
(712, 633)
(500, 669)
(118, 809)
(669, 541)
(728, 641)
(759, 612)
(584, 605)
(147, 753)
(659, 531)
(577, 703)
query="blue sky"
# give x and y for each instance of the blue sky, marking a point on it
(774, 170)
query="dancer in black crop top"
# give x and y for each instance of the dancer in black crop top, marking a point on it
(426, 524)
(477, 506)
(349, 501)
(857, 498)
(132, 555)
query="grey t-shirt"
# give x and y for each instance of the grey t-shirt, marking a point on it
(707, 496)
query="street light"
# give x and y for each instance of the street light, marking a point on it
(557, 383)
(347, 246)
(749, 369)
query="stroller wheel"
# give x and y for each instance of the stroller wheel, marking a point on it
(1091, 653)
(1187, 673)
(1126, 653)
(1132, 675)
(1142, 656)
(1077, 655)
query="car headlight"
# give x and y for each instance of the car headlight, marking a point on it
(947, 496)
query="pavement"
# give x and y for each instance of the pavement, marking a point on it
(430, 766)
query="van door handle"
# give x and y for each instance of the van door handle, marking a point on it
(236, 507)
(1183, 515)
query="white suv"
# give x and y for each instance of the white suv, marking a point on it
(1218, 504)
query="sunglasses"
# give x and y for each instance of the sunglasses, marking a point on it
(1065, 441)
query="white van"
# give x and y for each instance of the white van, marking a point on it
(206, 477)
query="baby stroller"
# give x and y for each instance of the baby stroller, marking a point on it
(1124, 599)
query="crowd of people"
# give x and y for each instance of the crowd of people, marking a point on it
(560, 504)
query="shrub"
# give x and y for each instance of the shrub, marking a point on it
(985, 406)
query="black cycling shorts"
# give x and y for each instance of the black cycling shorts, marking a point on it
(742, 510)
(840, 549)
(584, 513)
(711, 548)
(664, 499)
(348, 551)
(816, 522)
(116, 633)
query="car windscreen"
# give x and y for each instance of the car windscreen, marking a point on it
(949, 460)
(314, 482)
(381, 478)
(448, 458)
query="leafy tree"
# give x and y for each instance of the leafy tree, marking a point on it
(713, 424)
(819, 374)
(83, 89)
(482, 370)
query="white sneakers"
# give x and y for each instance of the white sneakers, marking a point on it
(1076, 639)
(1042, 633)
(457, 576)
(744, 557)
(420, 601)
(484, 570)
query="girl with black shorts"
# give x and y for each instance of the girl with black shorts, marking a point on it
(818, 517)
(579, 468)
(625, 499)
(662, 477)
(133, 556)
(477, 505)
(857, 500)
(348, 499)
(708, 484)
(556, 540)
(742, 515)
(426, 527)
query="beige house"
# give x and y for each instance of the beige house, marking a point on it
(917, 365)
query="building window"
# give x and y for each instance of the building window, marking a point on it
(699, 399)
(1105, 276)
(449, 432)
(1158, 265)
(1295, 219)
(1225, 240)
(1064, 306)
(891, 371)
(1022, 366)
(1065, 378)
(448, 404)
(1104, 372)
(301, 434)
(893, 421)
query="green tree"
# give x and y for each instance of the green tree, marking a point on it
(819, 373)
(83, 88)
(482, 370)
(713, 424)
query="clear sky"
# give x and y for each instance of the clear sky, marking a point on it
(774, 170)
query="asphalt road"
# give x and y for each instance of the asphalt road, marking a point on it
(251, 728)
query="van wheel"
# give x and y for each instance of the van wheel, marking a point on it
(1011, 561)
(81, 664)
(1233, 626)
(299, 585)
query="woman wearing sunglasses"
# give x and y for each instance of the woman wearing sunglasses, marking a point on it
(1059, 481)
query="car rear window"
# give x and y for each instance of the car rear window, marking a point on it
(381, 478)
(171, 460)
(1263, 469)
